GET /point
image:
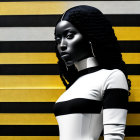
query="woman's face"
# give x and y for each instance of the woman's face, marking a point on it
(70, 43)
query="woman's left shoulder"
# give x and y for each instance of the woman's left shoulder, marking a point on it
(116, 79)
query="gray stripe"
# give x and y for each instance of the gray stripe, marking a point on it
(26, 33)
(110, 7)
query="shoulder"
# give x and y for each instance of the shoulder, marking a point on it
(116, 79)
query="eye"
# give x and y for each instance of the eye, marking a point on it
(70, 35)
(57, 39)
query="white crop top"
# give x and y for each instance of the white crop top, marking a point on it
(96, 101)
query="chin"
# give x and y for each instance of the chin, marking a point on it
(69, 63)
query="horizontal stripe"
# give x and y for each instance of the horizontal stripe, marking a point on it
(29, 130)
(27, 119)
(135, 81)
(77, 105)
(134, 107)
(45, 95)
(27, 33)
(50, 58)
(46, 119)
(30, 82)
(27, 46)
(28, 58)
(49, 46)
(44, 81)
(46, 107)
(49, 138)
(59, 7)
(47, 130)
(127, 33)
(30, 95)
(47, 33)
(135, 95)
(29, 69)
(115, 98)
(133, 119)
(131, 58)
(50, 20)
(133, 69)
(31, 138)
(129, 46)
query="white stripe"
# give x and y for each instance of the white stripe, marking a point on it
(114, 116)
(26, 33)
(114, 129)
(109, 7)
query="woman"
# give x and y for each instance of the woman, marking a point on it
(92, 69)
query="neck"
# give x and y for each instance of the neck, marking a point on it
(86, 63)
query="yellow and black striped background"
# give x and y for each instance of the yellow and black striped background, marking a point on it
(29, 76)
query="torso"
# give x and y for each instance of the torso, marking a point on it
(79, 109)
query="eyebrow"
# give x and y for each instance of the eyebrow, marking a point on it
(65, 31)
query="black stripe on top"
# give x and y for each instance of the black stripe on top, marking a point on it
(50, 20)
(78, 105)
(115, 98)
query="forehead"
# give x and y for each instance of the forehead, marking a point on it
(64, 26)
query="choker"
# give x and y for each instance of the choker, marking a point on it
(88, 70)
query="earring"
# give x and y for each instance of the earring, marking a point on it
(91, 48)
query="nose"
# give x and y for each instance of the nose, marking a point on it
(63, 46)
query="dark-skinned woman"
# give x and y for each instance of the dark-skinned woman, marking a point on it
(95, 76)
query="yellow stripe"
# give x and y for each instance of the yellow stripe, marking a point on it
(48, 138)
(30, 95)
(46, 119)
(50, 58)
(31, 8)
(127, 33)
(28, 58)
(135, 81)
(44, 82)
(30, 82)
(135, 95)
(27, 119)
(131, 58)
(44, 95)
(29, 137)
(133, 119)
(132, 138)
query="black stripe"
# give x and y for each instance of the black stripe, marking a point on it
(132, 131)
(50, 20)
(133, 69)
(27, 46)
(115, 98)
(26, 107)
(47, 69)
(77, 105)
(130, 46)
(49, 46)
(46, 107)
(134, 107)
(50, 130)
(29, 69)
(29, 130)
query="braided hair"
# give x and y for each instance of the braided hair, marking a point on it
(94, 27)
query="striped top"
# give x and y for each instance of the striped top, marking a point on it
(97, 100)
